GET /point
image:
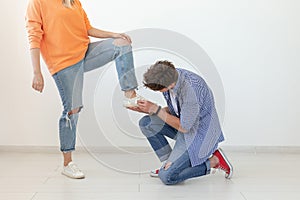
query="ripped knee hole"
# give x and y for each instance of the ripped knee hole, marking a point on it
(74, 111)
(167, 165)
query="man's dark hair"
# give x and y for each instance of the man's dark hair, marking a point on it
(160, 75)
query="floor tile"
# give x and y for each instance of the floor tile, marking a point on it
(37, 176)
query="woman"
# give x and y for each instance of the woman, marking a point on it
(59, 30)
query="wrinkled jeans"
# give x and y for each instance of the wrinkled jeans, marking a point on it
(156, 131)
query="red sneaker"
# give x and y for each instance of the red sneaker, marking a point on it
(154, 173)
(224, 163)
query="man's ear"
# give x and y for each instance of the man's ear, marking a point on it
(172, 86)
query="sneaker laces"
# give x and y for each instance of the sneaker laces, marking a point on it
(214, 170)
(74, 167)
(218, 169)
(132, 101)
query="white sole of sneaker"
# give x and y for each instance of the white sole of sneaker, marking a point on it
(68, 175)
(130, 106)
(154, 175)
(228, 176)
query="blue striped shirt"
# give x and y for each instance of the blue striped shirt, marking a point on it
(198, 115)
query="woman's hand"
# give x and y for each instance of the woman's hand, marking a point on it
(38, 82)
(94, 32)
(123, 36)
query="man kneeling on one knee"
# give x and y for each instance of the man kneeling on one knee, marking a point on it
(190, 118)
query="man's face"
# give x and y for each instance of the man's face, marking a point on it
(163, 90)
(168, 88)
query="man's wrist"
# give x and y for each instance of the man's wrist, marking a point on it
(155, 110)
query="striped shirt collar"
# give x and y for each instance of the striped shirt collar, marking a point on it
(178, 82)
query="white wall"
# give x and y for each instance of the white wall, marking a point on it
(254, 44)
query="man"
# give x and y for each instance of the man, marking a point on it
(190, 118)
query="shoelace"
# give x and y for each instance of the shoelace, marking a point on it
(133, 101)
(218, 169)
(74, 168)
(156, 171)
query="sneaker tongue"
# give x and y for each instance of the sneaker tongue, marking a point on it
(71, 163)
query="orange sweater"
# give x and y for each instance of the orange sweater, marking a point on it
(61, 33)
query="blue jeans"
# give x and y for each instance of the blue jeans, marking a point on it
(69, 82)
(156, 131)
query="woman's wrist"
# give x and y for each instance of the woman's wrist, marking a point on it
(115, 35)
(37, 72)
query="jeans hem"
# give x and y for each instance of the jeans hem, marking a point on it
(128, 89)
(67, 151)
(207, 163)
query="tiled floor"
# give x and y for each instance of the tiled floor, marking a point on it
(36, 176)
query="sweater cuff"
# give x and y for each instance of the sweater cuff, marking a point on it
(34, 45)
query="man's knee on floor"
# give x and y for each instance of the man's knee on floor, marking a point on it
(165, 174)
(167, 165)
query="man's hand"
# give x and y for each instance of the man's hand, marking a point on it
(147, 106)
(137, 109)
(38, 82)
(166, 109)
(144, 106)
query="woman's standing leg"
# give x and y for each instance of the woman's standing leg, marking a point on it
(69, 82)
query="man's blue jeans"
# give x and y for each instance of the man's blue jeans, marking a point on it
(69, 82)
(156, 131)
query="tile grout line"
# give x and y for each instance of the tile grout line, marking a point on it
(54, 172)
(104, 149)
(140, 176)
(243, 195)
(46, 180)
(33, 196)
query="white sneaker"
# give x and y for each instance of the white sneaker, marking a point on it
(132, 102)
(72, 171)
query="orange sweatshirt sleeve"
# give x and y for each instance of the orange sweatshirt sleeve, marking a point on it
(86, 19)
(34, 24)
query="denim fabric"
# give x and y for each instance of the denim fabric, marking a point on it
(181, 169)
(69, 82)
(156, 131)
(103, 52)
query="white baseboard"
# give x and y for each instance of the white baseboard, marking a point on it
(262, 149)
(141, 149)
